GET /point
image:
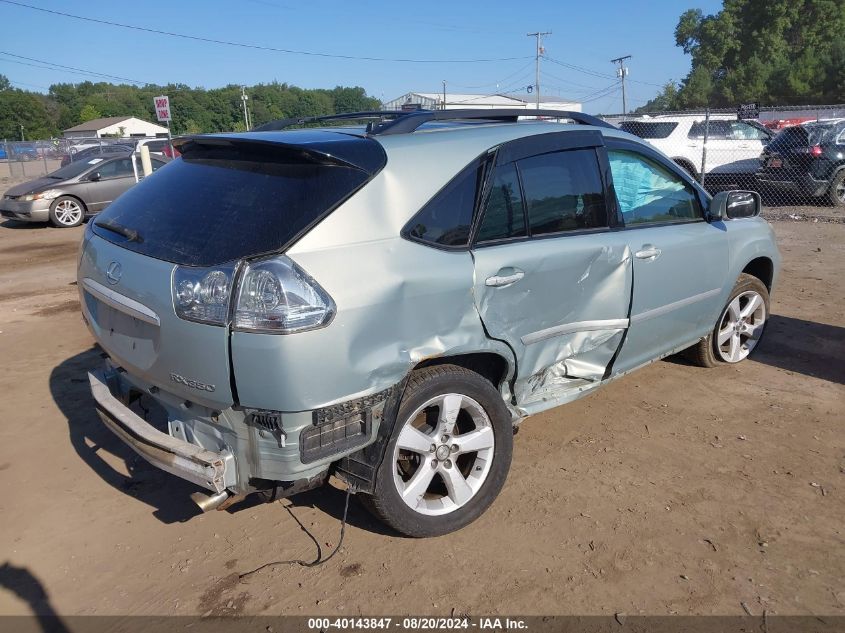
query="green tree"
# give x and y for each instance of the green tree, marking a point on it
(89, 113)
(5, 84)
(773, 51)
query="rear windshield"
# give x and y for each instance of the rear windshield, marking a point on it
(222, 205)
(804, 135)
(649, 129)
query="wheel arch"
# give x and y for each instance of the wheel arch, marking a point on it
(762, 268)
(491, 366)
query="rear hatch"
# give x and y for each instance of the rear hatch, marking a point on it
(228, 199)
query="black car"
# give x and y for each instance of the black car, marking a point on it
(107, 149)
(808, 159)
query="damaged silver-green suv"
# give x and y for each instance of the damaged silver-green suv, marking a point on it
(386, 302)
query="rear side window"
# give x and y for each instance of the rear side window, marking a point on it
(648, 193)
(563, 192)
(504, 216)
(447, 218)
(221, 205)
(649, 129)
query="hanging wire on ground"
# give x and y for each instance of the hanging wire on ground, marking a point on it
(317, 561)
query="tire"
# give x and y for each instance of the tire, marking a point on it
(66, 212)
(739, 321)
(455, 485)
(836, 193)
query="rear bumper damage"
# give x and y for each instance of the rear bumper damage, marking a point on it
(238, 451)
(212, 470)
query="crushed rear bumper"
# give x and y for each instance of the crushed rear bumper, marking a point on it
(211, 470)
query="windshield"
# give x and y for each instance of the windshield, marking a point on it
(218, 205)
(74, 169)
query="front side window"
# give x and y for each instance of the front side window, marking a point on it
(447, 218)
(648, 193)
(116, 169)
(563, 191)
(504, 216)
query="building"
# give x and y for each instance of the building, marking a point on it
(434, 101)
(121, 126)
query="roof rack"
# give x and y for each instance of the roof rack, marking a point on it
(385, 122)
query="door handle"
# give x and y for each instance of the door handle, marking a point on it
(498, 281)
(648, 252)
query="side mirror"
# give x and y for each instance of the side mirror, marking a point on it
(734, 205)
(95, 176)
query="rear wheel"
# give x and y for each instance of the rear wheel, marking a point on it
(66, 212)
(836, 193)
(739, 327)
(449, 454)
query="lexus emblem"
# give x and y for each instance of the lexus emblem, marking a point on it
(113, 272)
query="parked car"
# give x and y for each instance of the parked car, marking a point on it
(807, 159)
(69, 194)
(387, 303)
(780, 124)
(733, 147)
(19, 151)
(108, 149)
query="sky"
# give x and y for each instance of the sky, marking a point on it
(585, 37)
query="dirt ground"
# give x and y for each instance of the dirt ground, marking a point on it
(674, 490)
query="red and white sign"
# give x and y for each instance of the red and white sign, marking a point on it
(162, 105)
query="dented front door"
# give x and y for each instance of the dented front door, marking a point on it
(552, 277)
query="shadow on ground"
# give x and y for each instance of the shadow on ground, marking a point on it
(805, 347)
(169, 495)
(23, 583)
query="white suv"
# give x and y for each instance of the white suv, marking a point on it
(733, 146)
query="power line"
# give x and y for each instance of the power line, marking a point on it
(586, 71)
(494, 83)
(290, 51)
(68, 68)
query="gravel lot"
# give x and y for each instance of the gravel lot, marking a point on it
(674, 490)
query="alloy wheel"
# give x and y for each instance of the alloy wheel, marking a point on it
(741, 326)
(443, 454)
(68, 212)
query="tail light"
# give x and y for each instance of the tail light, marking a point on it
(276, 296)
(273, 296)
(815, 151)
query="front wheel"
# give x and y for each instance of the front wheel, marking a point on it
(66, 212)
(449, 454)
(739, 327)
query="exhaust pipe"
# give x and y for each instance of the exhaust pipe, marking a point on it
(207, 503)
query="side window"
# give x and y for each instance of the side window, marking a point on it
(504, 216)
(563, 191)
(718, 130)
(447, 217)
(648, 193)
(157, 163)
(743, 132)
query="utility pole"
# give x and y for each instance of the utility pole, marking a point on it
(244, 98)
(540, 51)
(444, 94)
(622, 72)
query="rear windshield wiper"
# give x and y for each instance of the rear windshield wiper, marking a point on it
(130, 234)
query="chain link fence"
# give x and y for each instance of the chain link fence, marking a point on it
(793, 156)
(21, 160)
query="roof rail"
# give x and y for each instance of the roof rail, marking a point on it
(387, 122)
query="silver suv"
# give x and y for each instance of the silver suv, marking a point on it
(386, 303)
